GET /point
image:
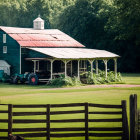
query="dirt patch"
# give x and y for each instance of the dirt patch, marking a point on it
(93, 86)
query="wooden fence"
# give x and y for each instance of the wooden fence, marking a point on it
(93, 115)
(134, 118)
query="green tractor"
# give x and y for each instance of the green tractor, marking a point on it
(30, 78)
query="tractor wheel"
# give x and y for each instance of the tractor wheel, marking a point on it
(33, 79)
(15, 80)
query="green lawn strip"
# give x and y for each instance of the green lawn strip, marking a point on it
(17, 90)
(131, 78)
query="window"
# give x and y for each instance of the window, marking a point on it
(4, 38)
(4, 49)
(36, 25)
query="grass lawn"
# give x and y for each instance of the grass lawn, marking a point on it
(22, 94)
(131, 78)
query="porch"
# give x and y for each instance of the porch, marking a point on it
(70, 62)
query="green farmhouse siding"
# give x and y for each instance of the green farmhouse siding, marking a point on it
(27, 66)
(35, 54)
(13, 52)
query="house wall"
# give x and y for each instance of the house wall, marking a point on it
(28, 66)
(13, 55)
(13, 52)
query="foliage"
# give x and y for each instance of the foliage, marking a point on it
(100, 77)
(65, 81)
(123, 23)
(105, 25)
(9, 12)
(90, 79)
(57, 8)
(85, 21)
(124, 19)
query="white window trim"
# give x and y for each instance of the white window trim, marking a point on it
(4, 49)
(4, 38)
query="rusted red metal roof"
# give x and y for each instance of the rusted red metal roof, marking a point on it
(29, 37)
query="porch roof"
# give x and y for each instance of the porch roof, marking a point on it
(75, 53)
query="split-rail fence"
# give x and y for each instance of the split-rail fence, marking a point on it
(68, 127)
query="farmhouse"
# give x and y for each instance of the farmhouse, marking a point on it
(49, 52)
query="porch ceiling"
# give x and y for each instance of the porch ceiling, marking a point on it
(75, 53)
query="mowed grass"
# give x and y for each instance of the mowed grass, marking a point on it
(23, 94)
(131, 78)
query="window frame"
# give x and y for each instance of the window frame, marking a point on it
(5, 49)
(4, 38)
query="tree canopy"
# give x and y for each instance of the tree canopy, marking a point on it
(112, 25)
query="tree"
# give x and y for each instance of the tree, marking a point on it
(85, 21)
(125, 20)
(124, 23)
(100, 24)
(57, 8)
(9, 12)
(31, 9)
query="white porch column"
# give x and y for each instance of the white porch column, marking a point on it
(34, 65)
(78, 69)
(65, 68)
(51, 68)
(115, 67)
(91, 64)
(96, 66)
(105, 62)
(65, 62)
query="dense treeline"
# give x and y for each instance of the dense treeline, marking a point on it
(113, 25)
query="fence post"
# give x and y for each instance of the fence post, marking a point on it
(138, 125)
(132, 122)
(48, 122)
(124, 121)
(136, 117)
(10, 120)
(133, 117)
(86, 121)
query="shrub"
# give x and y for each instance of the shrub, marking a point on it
(65, 81)
(100, 77)
(90, 79)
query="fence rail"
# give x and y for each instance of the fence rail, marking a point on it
(87, 110)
